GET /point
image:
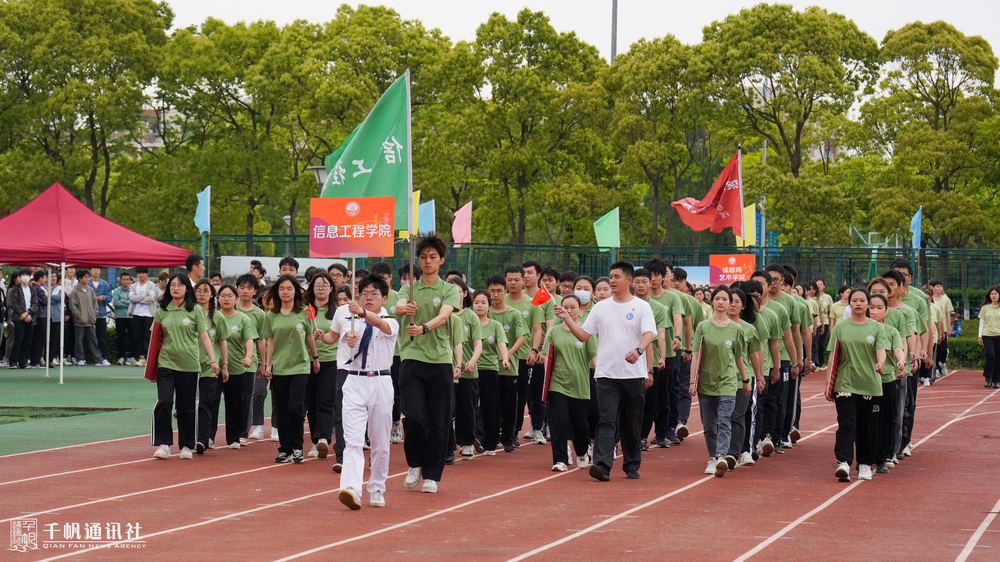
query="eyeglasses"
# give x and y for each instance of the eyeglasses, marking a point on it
(178, 286)
(203, 292)
(321, 286)
(368, 295)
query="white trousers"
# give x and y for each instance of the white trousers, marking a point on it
(367, 404)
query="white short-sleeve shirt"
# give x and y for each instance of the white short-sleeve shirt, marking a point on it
(382, 346)
(619, 327)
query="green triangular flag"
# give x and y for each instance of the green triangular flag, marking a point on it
(606, 230)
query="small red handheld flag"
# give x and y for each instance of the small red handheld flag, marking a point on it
(310, 312)
(541, 297)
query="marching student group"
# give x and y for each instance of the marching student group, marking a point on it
(451, 371)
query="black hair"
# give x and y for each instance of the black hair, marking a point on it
(38, 274)
(139, 270)
(467, 301)
(935, 282)
(361, 274)
(863, 290)
(80, 273)
(587, 279)
(513, 268)
(192, 260)
(431, 241)
(752, 286)
(680, 274)
(843, 288)
(260, 269)
(489, 299)
(721, 289)
(641, 272)
(896, 276)
(901, 263)
(748, 314)
(775, 267)
(339, 267)
(568, 276)
(346, 289)
(598, 282)
(574, 297)
(404, 270)
(551, 272)
(496, 279)
(625, 267)
(986, 297)
(272, 293)
(215, 274)
(310, 296)
(374, 281)
(211, 299)
(881, 297)
(381, 268)
(310, 271)
(231, 288)
(125, 274)
(289, 260)
(247, 279)
(787, 278)
(791, 269)
(255, 263)
(534, 264)
(451, 272)
(761, 273)
(166, 299)
(656, 265)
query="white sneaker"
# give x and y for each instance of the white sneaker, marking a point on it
(186, 453)
(865, 472)
(350, 497)
(140, 363)
(710, 469)
(468, 452)
(746, 459)
(211, 444)
(257, 433)
(529, 435)
(130, 362)
(490, 453)
(430, 487)
(843, 472)
(396, 435)
(121, 360)
(908, 451)
(234, 445)
(682, 431)
(721, 466)
(322, 448)
(560, 467)
(786, 444)
(376, 499)
(313, 453)
(582, 462)
(274, 434)
(766, 447)
(895, 461)
(927, 382)
(55, 362)
(889, 464)
(81, 363)
(412, 478)
(104, 363)
(162, 452)
(540, 437)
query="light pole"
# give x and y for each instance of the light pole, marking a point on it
(320, 173)
(288, 230)
(614, 29)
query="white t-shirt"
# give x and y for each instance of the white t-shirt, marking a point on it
(619, 327)
(380, 350)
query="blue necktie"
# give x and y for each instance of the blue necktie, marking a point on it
(366, 338)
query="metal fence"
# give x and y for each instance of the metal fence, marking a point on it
(972, 269)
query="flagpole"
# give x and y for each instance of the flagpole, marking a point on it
(743, 217)
(409, 187)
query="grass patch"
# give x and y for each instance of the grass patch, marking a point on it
(14, 414)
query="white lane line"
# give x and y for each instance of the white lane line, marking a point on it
(141, 492)
(971, 545)
(609, 520)
(957, 418)
(74, 471)
(797, 522)
(422, 518)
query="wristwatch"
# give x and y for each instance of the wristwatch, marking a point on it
(424, 326)
(639, 350)
(650, 371)
(315, 357)
(746, 381)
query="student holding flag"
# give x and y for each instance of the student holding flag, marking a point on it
(540, 299)
(288, 328)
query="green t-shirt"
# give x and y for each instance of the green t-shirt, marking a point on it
(456, 335)
(784, 323)
(532, 315)
(217, 334)
(752, 343)
(917, 300)
(662, 321)
(989, 315)
(257, 318)
(390, 306)
(825, 302)
(327, 352)
(837, 310)
(766, 324)
(514, 326)
(856, 369)
(697, 314)
(493, 335)
(890, 360)
(434, 347)
(290, 355)
(472, 332)
(913, 317)
(181, 346)
(239, 329)
(672, 303)
(897, 319)
(719, 347)
(572, 364)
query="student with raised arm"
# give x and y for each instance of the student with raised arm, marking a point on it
(626, 326)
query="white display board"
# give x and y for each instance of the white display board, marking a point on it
(234, 266)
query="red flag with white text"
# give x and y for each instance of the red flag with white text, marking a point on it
(722, 206)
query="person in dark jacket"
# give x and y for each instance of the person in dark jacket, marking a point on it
(83, 306)
(40, 326)
(22, 305)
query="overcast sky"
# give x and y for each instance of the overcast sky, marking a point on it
(591, 19)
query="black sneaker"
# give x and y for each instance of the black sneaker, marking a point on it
(598, 474)
(517, 443)
(297, 456)
(199, 448)
(282, 458)
(778, 449)
(643, 446)
(882, 468)
(450, 459)
(672, 437)
(508, 448)
(632, 475)
(661, 442)
(731, 462)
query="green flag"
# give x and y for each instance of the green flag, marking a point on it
(374, 161)
(606, 230)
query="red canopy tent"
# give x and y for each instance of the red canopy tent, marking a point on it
(56, 228)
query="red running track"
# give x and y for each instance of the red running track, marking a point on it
(228, 504)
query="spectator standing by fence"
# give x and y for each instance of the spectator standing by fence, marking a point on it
(103, 294)
(124, 329)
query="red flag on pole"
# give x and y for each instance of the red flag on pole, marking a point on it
(722, 206)
(541, 297)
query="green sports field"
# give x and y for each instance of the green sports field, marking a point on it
(92, 388)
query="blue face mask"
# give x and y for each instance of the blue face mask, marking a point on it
(584, 296)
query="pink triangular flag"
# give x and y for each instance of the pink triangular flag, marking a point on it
(461, 229)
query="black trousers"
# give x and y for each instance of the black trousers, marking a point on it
(909, 409)
(466, 399)
(792, 406)
(680, 398)
(509, 415)
(619, 399)
(523, 378)
(593, 414)
(38, 331)
(568, 422)
(54, 330)
(321, 393)
(289, 395)
(772, 407)
(234, 391)
(738, 437)
(338, 415)
(887, 425)
(991, 368)
(20, 352)
(536, 408)
(101, 327)
(185, 386)
(207, 394)
(216, 405)
(394, 373)
(125, 336)
(857, 428)
(751, 419)
(489, 406)
(71, 338)
(819, 346)
(248, 380)
(657, 409)
(426, 390)
(142, 325)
